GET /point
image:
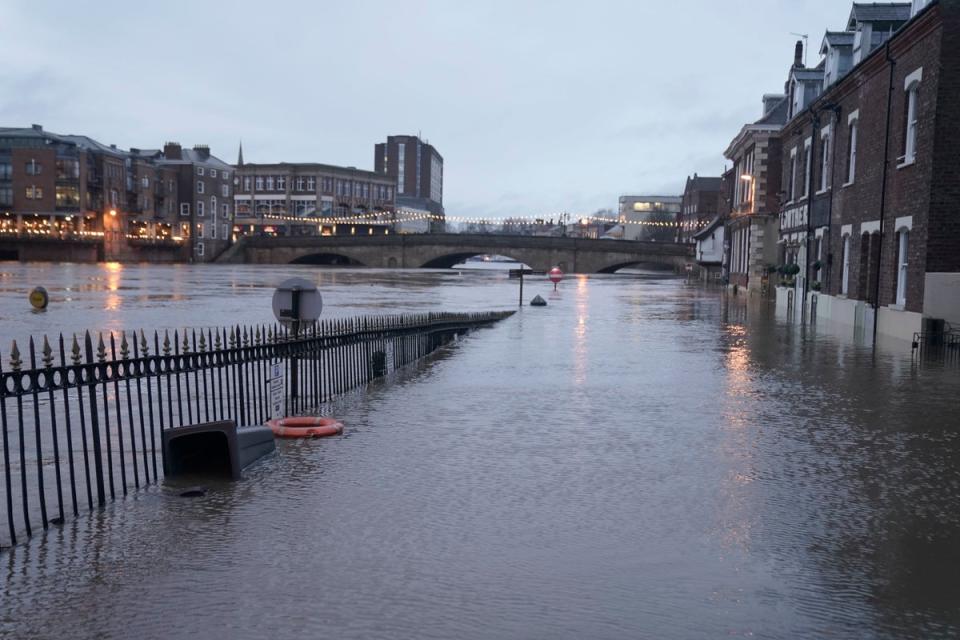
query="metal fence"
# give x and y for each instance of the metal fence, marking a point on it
(942, 345)
(82, 417)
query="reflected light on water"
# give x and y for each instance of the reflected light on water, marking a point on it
(114, 273)
(580, 343)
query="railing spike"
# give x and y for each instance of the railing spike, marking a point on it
(15, 360)
(75, 351)
(216, 340)
(203, 343)
(143, 344)
(124, 345)
(166, 342)
(101, 349)
(185, 347)
(47, 353)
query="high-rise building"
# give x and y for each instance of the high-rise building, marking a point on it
(417, 168)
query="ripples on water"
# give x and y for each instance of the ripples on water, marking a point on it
(640, 459)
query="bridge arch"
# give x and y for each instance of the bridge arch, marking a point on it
(637, 264)
(448, 260)
(328, 259)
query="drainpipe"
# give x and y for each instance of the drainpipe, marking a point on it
(815, 121)
(837, 111)
(883, 199)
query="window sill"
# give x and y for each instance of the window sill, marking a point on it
(822, 191)
(846, 184)
(896, 307)
(907, 162)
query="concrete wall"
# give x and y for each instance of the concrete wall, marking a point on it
(941, 297)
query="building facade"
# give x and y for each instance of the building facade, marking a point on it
(869, 170)
(698, 208)
(313, 199)
(651, 218)
(754, 198)
(97, 201)
(416, 169)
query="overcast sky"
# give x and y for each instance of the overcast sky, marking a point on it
(536, 107)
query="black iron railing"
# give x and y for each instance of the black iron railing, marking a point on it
(937, 345)
(82, 417)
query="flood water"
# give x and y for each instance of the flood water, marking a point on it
(643, 458)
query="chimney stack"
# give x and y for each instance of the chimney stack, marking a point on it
(202, 150)
(798, 55)
(37, 127)
(172, 151)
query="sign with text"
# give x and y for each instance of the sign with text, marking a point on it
(276, 389)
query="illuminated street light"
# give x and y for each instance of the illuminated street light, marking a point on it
(113, 213)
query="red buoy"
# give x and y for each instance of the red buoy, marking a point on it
(555, 276)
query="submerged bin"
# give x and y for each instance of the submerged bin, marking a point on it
(215, 447)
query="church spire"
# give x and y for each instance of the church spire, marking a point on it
(240, 155)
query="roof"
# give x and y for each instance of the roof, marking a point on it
(807, 74)
(37, 133)
(251, 167)
(836, 39)
(707, 230)
(778, 114)
(878, 12)
(703, 183)
(192, 156)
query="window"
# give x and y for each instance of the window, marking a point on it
(225, 230)
(213, 205)
(225, 190)
(6, 171)
(807, 161)
(114, 197)
(200, 244)
(852, 154)
(225, 175)
(199, 171)
(300, 184)
(67, 196)
(213, 227)
(6, 197)
(199, 186)
(246, 183)
(145, 182)
(311, 184)
(184, 208)
(225, 211)
(910, 133)
(34, 168)
(34, 193)
(845, 278)
(902, 246)
(281, 183)
(67, 169)
(825, 159)
(259, 183)
(792, 190)
(199, 229)
(213, 173)
(199, 207)
(269, 183)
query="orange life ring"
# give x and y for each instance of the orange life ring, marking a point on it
(305, 427)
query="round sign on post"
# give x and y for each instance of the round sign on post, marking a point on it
(555, 276)
(297, 301)
(39, 298)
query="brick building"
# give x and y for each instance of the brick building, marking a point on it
(309, 198)
(75, 190)
(416, 169)
(698, 207)
(754, 197)
(870, 173)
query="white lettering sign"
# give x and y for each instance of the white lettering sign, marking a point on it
(276, 389)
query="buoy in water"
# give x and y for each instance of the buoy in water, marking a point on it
(39, 298)
(305, 427)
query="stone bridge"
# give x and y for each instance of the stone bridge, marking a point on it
(437, 251)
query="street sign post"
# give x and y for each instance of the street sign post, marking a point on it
(276, 389)
(295, 302)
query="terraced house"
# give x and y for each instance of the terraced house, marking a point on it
(870, 172)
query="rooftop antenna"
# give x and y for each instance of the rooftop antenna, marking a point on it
(806, 38)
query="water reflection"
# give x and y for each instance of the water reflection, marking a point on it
(641, 458)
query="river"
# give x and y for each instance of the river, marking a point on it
(642, 458)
